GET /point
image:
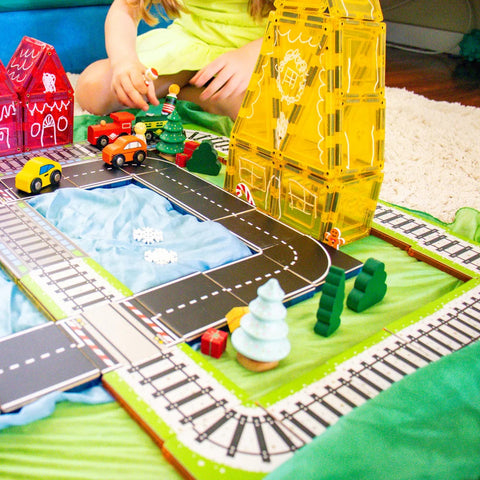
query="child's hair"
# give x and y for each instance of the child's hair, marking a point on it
(256, 8)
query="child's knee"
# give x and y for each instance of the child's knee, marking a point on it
(91, 90)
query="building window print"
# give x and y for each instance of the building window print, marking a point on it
(48, 80)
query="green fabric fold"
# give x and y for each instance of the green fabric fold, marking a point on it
(426, 426)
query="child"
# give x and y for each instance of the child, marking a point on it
(210, 51)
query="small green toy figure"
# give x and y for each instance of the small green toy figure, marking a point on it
(369, 287)
(331, 302)
(172, 139)
(204, 159)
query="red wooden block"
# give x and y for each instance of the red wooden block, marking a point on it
(189, 148)
(214, 342)
(181, 160)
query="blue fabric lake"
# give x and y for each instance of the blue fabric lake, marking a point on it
(102, 222)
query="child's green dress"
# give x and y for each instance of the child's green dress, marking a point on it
(209, 29)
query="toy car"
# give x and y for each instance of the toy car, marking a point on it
(38, 173)
(125, 149)
(105, 133)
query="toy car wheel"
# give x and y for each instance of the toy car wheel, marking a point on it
(102, 142)
(118, 161)
(148, 136)
(55, 177)
(36, 185)
(139, 156)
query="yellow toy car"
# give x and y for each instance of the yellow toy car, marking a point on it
(38, 173)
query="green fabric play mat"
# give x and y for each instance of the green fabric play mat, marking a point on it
(425, 426)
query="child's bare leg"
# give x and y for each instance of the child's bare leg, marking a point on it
(93, 91)
(228, 107)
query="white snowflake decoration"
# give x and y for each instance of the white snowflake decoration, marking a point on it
(147, 235)
(161, 256)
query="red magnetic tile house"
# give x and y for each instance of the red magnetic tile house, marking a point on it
(44, 92)
(10, 116)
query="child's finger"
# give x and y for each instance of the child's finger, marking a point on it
(132, 98)
(206, 73)
(215, 85)
(231, 87)
(151, 97)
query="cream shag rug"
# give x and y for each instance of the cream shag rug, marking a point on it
(432, 154)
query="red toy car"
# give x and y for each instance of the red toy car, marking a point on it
(125, 149)
(105, 133)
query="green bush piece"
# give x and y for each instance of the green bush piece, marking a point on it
(331, 302)
(370, 286)
(204, 159)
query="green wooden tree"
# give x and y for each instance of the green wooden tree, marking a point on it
(204, 160)
(370, 286)
(172, 139)
(331, 302)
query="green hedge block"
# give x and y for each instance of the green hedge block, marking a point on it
(370, 286)
(331, 303)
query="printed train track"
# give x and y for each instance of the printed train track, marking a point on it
(215, 424)
(62, 154)
(29, 241)
(221, 144)
(36, 252)
(424, 239)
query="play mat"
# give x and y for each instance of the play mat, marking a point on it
(422, 426)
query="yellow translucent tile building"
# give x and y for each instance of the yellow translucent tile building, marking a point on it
(308, 144)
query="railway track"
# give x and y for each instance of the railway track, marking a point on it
(423, 236)
(215, 424)
(31, 246)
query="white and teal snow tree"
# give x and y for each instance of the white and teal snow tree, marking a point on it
(261, 340)
(172, 139)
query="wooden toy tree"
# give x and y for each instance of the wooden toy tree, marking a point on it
(172, 139)
(331, 302)
(309, 138)
(370, 286)
(261, 340)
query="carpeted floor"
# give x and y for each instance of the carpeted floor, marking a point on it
(432, 154)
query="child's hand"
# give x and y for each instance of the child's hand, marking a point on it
(229, 74)
(128, 84)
